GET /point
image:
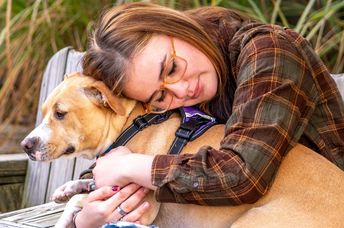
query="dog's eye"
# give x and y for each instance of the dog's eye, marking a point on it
(59, 115)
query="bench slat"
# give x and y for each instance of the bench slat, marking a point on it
(44, 215)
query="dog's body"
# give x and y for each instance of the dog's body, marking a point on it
(81, 117)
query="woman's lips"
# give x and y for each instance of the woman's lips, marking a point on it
(197, 90)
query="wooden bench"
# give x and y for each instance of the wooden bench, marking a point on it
(12, 178)
(43, 178)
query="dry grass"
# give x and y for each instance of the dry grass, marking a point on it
(31, 31)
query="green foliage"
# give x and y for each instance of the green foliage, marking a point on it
(31, 31)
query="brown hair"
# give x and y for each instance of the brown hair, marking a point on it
(124, 30)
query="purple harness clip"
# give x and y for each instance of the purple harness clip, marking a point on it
(204, 121)
(194, 124)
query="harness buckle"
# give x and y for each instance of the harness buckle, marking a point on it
(196, 121)
(140, 122)
(184, 132)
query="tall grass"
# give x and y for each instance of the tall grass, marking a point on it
(31, 31)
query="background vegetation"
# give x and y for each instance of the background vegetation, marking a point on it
(32, 30)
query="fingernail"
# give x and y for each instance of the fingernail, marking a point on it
(145, 190)
(145, 205)
(115, 188)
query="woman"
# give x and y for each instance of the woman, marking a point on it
(265, 82)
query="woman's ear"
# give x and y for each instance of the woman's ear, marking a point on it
(102, 95)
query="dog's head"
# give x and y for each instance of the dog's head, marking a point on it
(78, 119)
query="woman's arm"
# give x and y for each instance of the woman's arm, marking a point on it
(121, 167)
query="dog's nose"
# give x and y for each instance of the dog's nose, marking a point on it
(29, 144)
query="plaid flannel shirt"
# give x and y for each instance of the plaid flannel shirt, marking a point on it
(284, 95)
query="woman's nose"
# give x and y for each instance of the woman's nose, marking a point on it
(179, 89)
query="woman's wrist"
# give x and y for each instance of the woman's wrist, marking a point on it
(139, 170)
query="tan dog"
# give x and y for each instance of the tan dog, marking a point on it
(82, 118)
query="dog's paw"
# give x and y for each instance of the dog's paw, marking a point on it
(65, 192)
(62, 197)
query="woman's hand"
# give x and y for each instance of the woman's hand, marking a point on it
(102, 206)
(121, 167)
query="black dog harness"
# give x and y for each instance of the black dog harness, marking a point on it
(139, 123)
(194, 123)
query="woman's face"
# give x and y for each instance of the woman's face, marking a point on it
(144, 77)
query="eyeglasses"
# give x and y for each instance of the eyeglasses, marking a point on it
(174, 70)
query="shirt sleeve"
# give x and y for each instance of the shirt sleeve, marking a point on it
(274, 99)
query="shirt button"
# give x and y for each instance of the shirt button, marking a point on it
(195, 184)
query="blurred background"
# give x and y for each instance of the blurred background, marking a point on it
(31, 31)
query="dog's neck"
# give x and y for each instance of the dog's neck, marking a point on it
(135, 112)
(116, 124)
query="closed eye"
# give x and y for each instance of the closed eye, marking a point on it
(173, 68)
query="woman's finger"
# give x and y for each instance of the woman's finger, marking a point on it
(129, 196)
(134, 200)
(114, 201)
(102, 193)
(136, 214)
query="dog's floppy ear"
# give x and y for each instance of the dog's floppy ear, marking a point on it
(70, 75)
(102, 95)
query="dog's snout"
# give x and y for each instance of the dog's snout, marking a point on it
(29, 144)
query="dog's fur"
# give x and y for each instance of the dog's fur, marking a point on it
(82, 118)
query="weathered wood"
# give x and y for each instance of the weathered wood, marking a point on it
(12, 165)
(12, 178)
(10, 196)
(44, 215)
(44, 177)
(339, 79)
(81, 166)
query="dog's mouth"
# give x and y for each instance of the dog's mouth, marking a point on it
(42, 152)
(32, 157)
(38, 156)
(44, 155)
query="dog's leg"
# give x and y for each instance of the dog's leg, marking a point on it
(65, 192)
(74, 205)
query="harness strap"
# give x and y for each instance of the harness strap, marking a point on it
(194, 124)
(138, 124)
